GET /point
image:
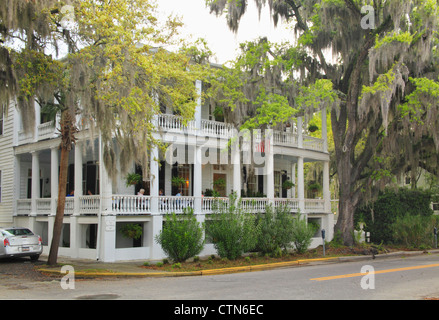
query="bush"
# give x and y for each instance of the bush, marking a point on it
(414, 231)
(276, 230)
(302, 233)
(232, 231)
(380, 215)
(181, 237)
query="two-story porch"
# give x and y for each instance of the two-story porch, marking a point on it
(199, 154)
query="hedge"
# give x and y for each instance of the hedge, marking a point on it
(391, 204)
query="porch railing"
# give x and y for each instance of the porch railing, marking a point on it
(24, 206)
(214, 128)
(89, 204)
(312, 143)
(46, 130)
(133, 205)
(175, 204)
(125, 204)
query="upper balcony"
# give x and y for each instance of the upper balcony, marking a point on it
(169, 123)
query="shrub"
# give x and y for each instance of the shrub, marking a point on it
(414, 231)
(302, 234)
(181, 237)
(380, 215)
(232, 231)
(275, 230)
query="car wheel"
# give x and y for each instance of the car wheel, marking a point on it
(34, 257)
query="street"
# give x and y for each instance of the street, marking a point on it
(412, 278)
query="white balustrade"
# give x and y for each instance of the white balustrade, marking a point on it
(176, 204)
(132, 205)
(24, 206)
(312, 143)
(126, 204)
(46, 130)
(315, 205)
(170, 122)
(209, 204)
(285, 138)
(89, 204)
(214, 128)
(292, 204)
(43, 206)
(254, 205)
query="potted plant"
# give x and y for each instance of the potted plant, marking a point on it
(178, 182)
(132, 230)
(314, 187)
(133, 179)
(312, 128)
(288, 184)
(218, 113)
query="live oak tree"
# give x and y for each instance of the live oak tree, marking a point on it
(375, 64)
(115, 75)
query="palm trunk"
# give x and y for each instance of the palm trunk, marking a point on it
(68, 131)
(57, 227)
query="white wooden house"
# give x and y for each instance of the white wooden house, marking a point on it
(100, 206)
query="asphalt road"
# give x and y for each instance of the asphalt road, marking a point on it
(413, 278)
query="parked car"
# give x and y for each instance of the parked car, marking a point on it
(18, 242)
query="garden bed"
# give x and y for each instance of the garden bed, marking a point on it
(215, 262)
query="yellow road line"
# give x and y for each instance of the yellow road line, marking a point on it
(374, 272)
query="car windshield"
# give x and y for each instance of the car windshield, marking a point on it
(19, 232)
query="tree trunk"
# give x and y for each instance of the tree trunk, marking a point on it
(345, 221)
(68, 131)
(57, 227)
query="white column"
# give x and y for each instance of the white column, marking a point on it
(35, 181)
(154, 228)
(236, 162)
(293, 180)
(78, 176)
(37, 120)
(54, 178)
(107, 221)
(324, 131)
(326, 191)
(154, 180)
(300, 132)
(108, 238)
(197, 180)
(105, 185)
(199, 86)
(300, 185)
(17, 178)
(269, 164)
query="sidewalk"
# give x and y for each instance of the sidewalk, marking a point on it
(90, 268)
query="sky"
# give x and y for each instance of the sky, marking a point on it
(200, 23)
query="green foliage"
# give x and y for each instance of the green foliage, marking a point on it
(232, 231)
(276, 230)
(132, 230)
(380, 215)
(414, 231)
(132, 178)
(302, 234)
(181, 237)
(425, 95)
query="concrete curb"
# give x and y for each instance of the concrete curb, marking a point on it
(252, 268)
